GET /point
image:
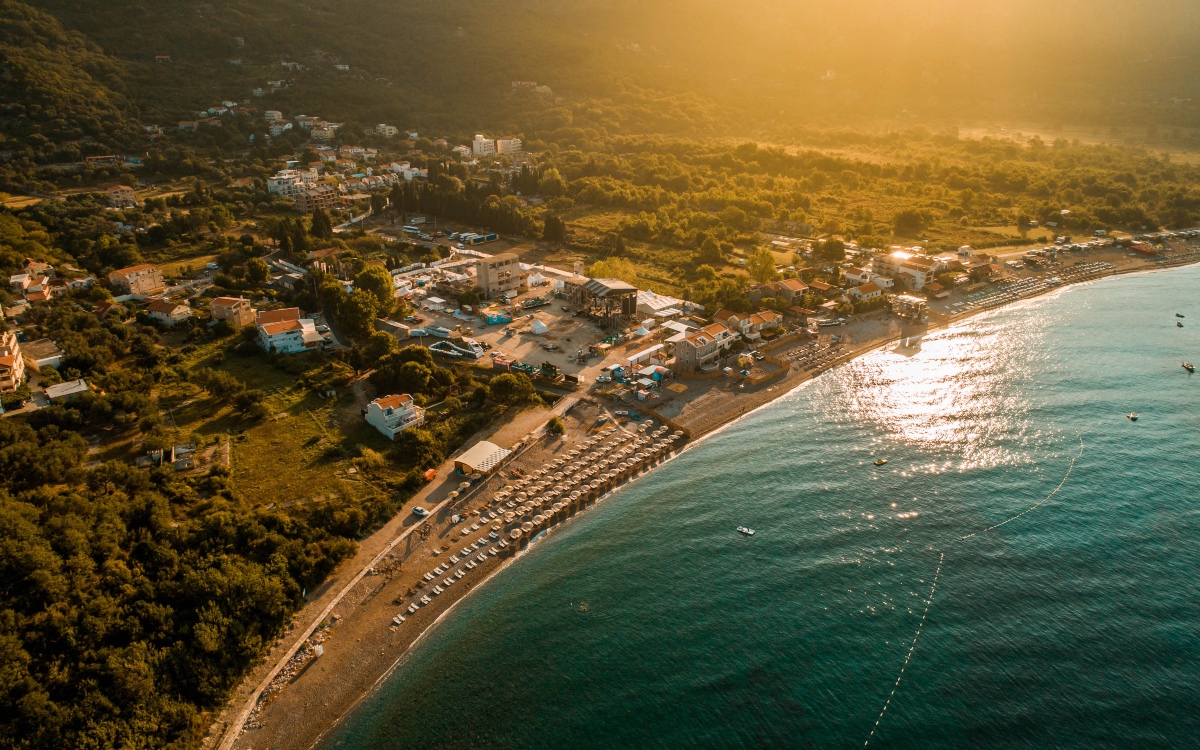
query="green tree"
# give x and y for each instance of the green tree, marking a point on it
(322, 225)
(762, 266)
(357, 313)
(378, 282)
(413, 377)
(614, 268)
(258, 271)
(832, 249)
(512, 389)
(379, 345)
(709, 251)
(552, 183)
(554, 229)
(909, 222)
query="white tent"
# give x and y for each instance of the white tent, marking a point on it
(538, 328)
(536, 279)
(480, 458)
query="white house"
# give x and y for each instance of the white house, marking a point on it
(869, 290)
(391, 415)
(286, 182)
(285, 332)
(168, 313)
(857, 276)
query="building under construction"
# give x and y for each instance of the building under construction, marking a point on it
(610, 302)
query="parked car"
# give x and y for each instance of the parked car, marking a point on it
(621, 413)
(419, 511)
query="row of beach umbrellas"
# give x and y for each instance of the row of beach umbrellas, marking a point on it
(593, 465)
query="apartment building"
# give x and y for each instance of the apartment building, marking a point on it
(142, 279)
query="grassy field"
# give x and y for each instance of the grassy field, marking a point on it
(306, 441)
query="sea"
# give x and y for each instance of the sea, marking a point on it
(1022, 572)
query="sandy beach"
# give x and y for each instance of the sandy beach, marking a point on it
(293, 698)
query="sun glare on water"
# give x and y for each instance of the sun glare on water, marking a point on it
(950, 392)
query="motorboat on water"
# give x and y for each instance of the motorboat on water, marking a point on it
(1189, 367)
(881, 462)
(1133, 415)
(746, 531)
(1179, 315)
(1178, 324)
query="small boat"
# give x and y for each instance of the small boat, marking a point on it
(1179, 315)
(1133, 415)
(881, 462)
(1189, 367)
(1178, 324)
(746, 531)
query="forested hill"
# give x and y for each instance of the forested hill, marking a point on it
(448, 64)
(56, 86)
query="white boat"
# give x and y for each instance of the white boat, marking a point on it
(1133, 415)
(746, 531)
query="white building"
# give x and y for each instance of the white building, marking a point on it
(869, 290)
(168, 313)
(483, 146)
(914, 268)
(510, 146)
(387, 131)
(285, 332)
(391, 415)
(286, 182)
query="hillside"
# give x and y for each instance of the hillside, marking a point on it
(58, 89)
(769, 63)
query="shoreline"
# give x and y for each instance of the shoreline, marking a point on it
(723, 417)
(492, 574)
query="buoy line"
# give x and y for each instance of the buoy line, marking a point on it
(933, 588)
(1070, 468)
(911, 649)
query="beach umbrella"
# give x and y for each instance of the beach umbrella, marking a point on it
(539, 519)
(527, 526)
(452, 494)
(514, 534)
(464, 485)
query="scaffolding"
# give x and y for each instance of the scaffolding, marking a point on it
(610, 302)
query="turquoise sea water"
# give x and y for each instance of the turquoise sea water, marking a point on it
(648, 622)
